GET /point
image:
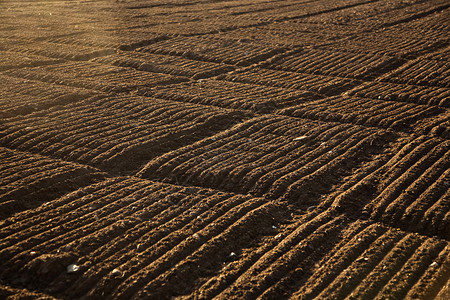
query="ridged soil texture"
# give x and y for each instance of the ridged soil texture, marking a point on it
(271, 156)
(116, 133)
(265, 149)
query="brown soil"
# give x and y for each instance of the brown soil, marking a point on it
(224, 149)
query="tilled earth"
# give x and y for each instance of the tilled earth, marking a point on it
(225, 149)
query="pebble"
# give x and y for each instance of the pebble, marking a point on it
(362, 259)
(116, 272)
(232, 256)
(300, 138)
(140, 247)
(434, 264)
(72, 268)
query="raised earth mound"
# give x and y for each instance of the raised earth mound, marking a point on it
(225, 149)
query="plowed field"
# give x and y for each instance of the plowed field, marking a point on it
(225, 149)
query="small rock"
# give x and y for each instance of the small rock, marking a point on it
(116, 272)
(362, 259)
(140, 247)
(278, 236)
(195, 236)
(274, 227)
(232, 256)
(33, 253)
(434, 264)
(300, 138)
(72, 268)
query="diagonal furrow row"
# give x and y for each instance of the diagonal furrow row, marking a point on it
(368, 112)
(106, 130)
(21, 96)
(335, 63)
(164, 224)
(62, 51)
(15, 60)
(421, 72)
(412, 185)
(37, 180)
(272, 156)
(96, 76)
(213, 50)
(402, 92)
(124, 39)
(260, 99)
(172, 65)
(283, 79)
(355, 273)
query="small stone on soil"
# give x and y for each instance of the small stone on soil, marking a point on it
(300, 138)
(232, 256)
(434, 264)
(362, 259)
(72, 268)
(116, 272)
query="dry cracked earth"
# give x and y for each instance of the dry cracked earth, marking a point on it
(238, 149)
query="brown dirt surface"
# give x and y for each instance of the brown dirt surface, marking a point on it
(178, 149)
